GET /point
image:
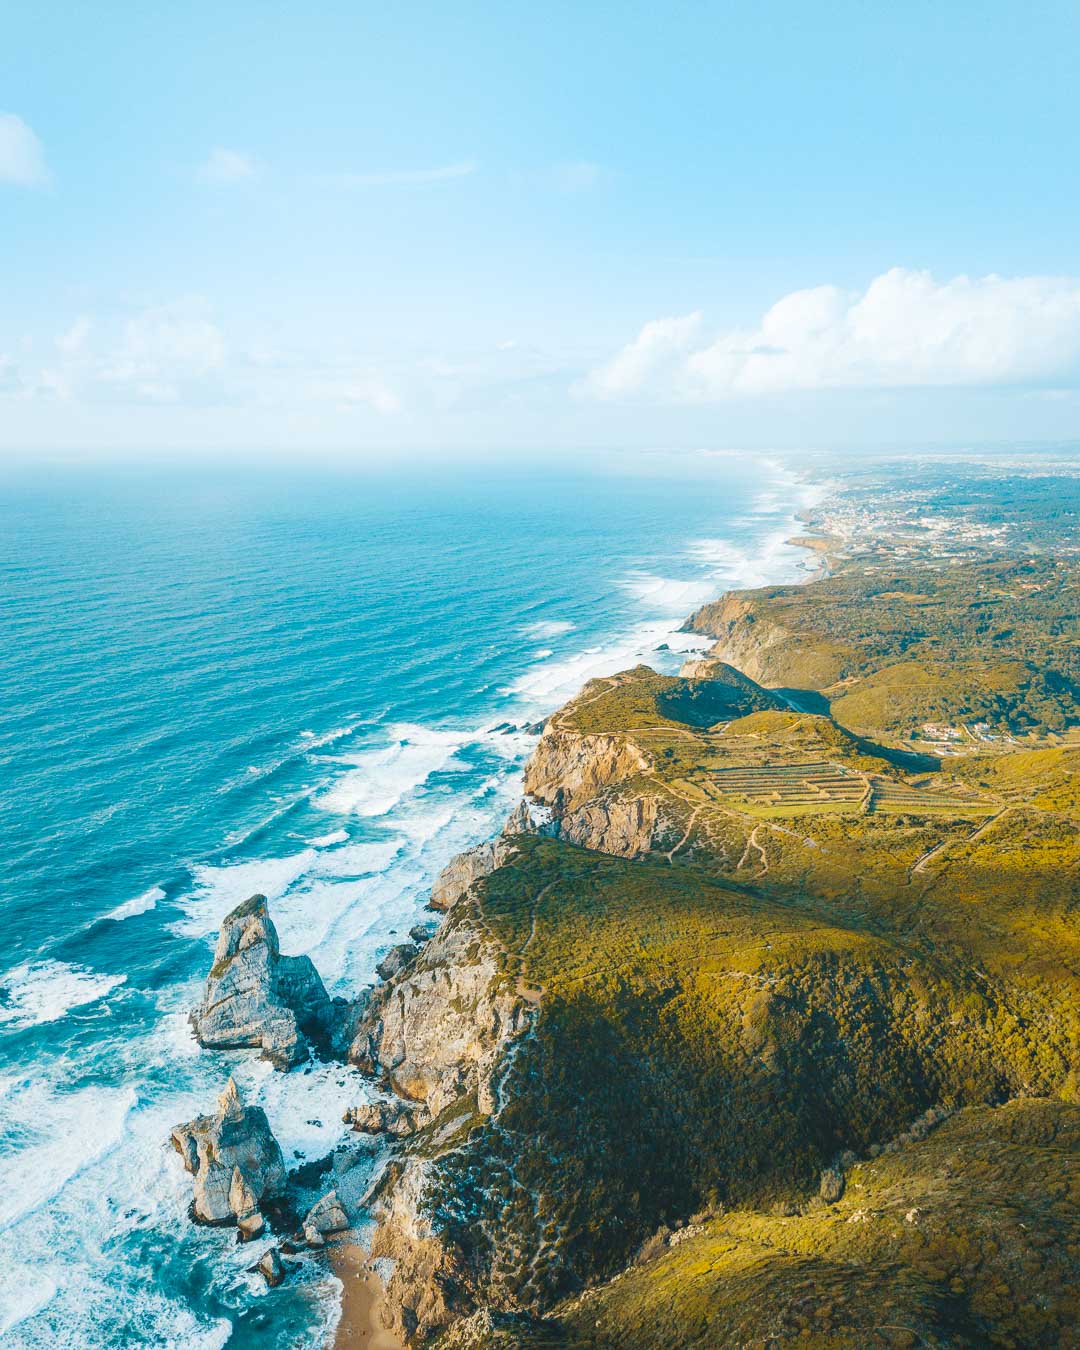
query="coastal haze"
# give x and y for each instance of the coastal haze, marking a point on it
(539, 676)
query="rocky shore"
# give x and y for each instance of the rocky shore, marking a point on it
(683, 999)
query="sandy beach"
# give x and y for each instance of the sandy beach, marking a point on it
(360, 1327)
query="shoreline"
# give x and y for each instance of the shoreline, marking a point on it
(360, 1325)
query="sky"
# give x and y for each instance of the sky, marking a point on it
(508, 228)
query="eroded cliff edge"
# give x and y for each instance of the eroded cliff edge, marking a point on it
(728, 952)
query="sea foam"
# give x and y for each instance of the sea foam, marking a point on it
(45, 991)
(380, 778)
(46, 1139)
(139, 904)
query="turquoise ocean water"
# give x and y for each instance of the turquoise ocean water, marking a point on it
(297, 682)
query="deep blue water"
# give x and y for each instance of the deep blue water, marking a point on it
(290, 681)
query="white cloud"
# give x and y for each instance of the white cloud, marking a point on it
(904, 330)
(178, 354)
(178, 335)
(22, 157)
(226, 166)
(654, 357)
(404, 177)
(167, 353)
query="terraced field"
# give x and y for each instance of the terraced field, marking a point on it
(888, 795)
(817, 784)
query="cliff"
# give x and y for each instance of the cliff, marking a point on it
(569, 767)
(727, 961)
(435, 1031)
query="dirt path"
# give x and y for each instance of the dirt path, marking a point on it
(689, 826)
(921, 864)
(752, 842)
(530, 993)
(560, 718)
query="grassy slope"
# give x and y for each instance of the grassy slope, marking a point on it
(642, 698)
(875, 639)
(968, 1238)
(701, 1046)
(1002, 832)
(776, 984)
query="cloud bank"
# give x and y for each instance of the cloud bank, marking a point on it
(177, 353)
(904, 330)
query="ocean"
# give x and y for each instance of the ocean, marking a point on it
(315, 683)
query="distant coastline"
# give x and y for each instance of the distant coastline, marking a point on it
(619, 787)
(365, 1320)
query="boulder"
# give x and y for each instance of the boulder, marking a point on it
(271, 1267)
(395, 1117)
(235, 1160)
(257, 997)
(395, 960)
(423, 932)
(327, 1215)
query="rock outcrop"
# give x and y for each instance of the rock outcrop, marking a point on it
(327, 1215)
(569, 768)
(624, 827)
(465, 869)
(272, 1268)
(395, 960)
(436, 1031)
(235, 1160)
(395, 1118)
(257, 997)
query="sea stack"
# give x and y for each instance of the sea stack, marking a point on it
(257, 997)
(235, 1160)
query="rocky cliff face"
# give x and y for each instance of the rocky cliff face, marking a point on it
(625, 827)
(426, 1290)
(440, 1033)
(437, 1034)
(257, 997)
(568, 768)
(436, 1031)
(743, 637)
(460, 873)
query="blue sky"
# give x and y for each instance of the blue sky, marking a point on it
(499, 227)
